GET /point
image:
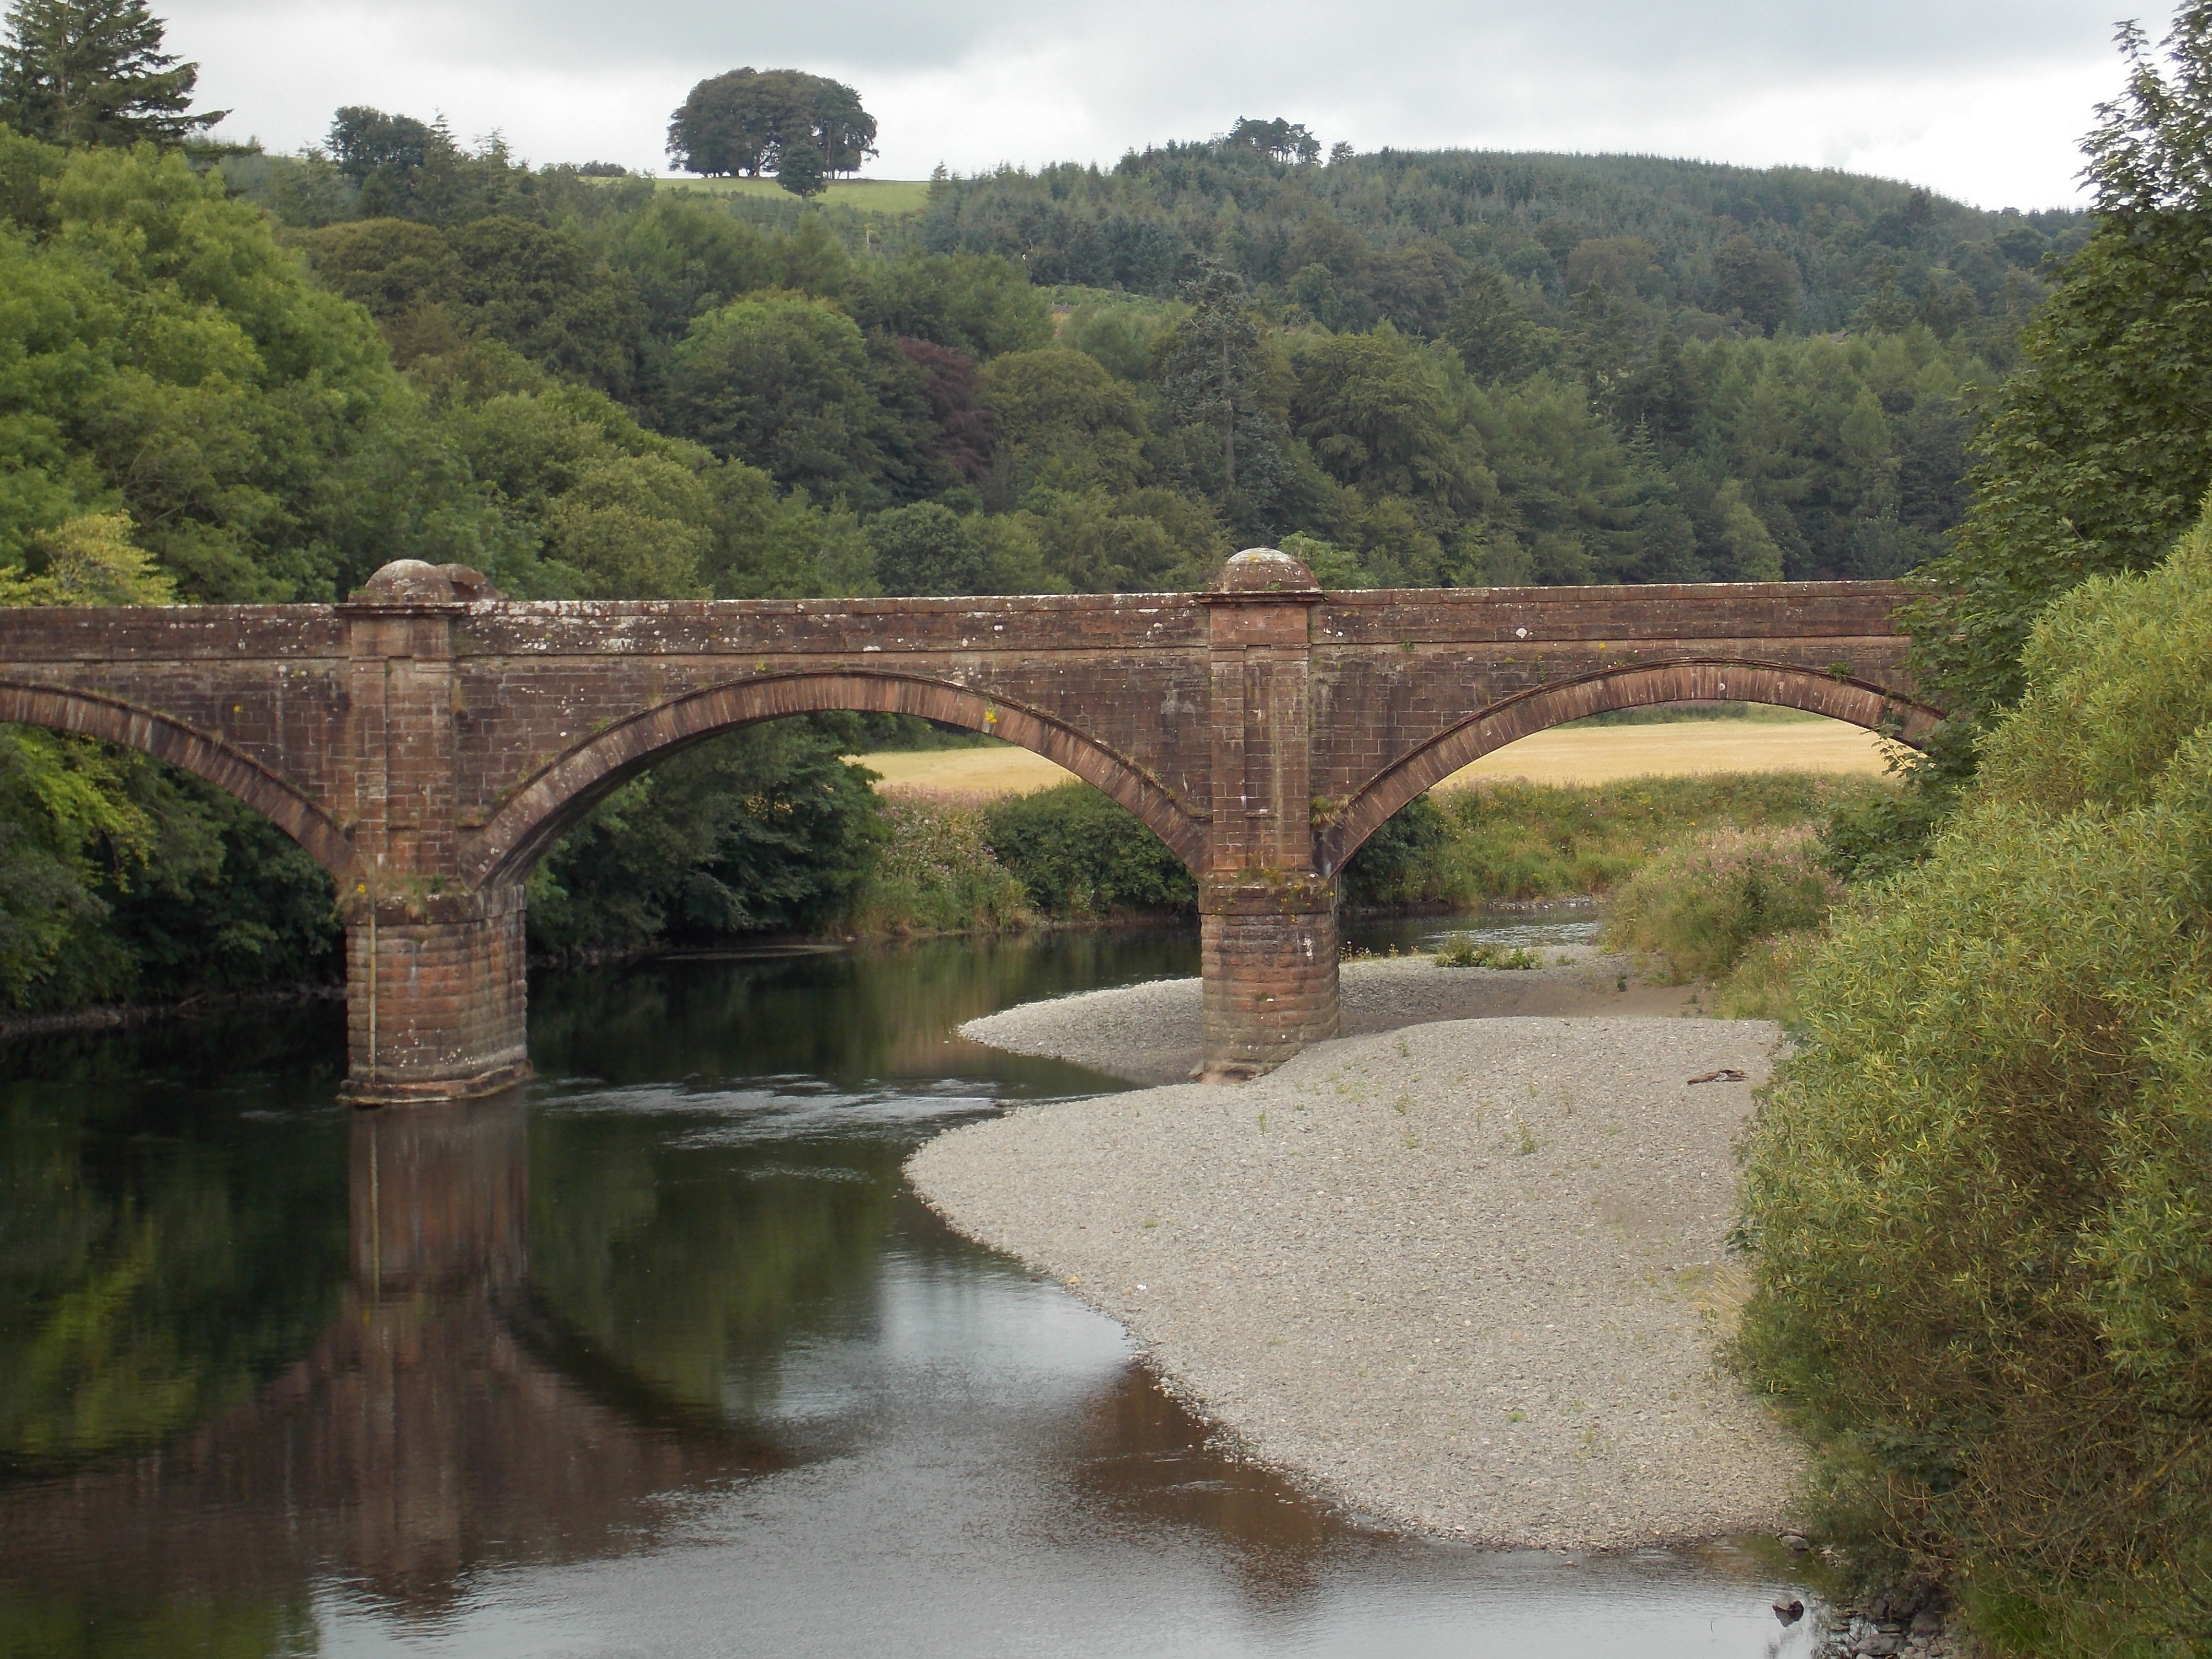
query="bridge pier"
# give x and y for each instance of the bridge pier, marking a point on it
(436, 997)
(1266, 915)
(1267, 955)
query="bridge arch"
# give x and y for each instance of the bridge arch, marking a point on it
(1700, 679)
(549, 803)
(90, 714)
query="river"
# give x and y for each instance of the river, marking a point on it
(660, 1359)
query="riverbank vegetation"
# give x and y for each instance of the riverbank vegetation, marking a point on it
(1699, 906)
(1975, 1195)
(1069, 854)
(1511, 840)
(1973, 1200)
(937, 872)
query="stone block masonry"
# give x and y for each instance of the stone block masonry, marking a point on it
(428, 741)
(435, 996)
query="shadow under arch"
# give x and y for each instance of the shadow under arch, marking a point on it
(1696, 679)
(543, 808)
(88, 715)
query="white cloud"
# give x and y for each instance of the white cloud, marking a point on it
(1982, 99)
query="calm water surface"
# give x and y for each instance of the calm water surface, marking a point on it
(663, 1359)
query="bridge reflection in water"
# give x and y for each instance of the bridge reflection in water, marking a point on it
(456, 1421)
(426, 1434)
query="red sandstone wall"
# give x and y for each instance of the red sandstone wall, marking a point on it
(1394, 671)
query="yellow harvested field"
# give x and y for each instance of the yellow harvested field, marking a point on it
(1601, 753)
(1589, 754)
(1007, 771)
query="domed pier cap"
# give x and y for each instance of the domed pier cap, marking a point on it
(415, 581)
(1264, 573)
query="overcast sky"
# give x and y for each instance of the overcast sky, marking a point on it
(1984, 99)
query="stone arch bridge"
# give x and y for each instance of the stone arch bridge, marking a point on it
(428, 741)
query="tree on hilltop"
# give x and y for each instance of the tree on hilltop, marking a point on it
(365, 142)
(739, 124)
(88, 72)
(1284, 141)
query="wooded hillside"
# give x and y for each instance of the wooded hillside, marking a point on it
(254, 378)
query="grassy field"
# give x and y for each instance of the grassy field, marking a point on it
(1584, 755)
(865, 195)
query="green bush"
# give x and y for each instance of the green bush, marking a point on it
(1081, 855)
(1886, 834)
(935, 873)
(1462, 951)
(1466, 847)
(1763, 984)
(1397, 865)
(1977, 1197)
(1701, 906)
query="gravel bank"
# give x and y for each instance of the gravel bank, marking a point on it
(1150, 1033)
(1462, 1278)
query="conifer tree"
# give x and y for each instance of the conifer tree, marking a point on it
(798, 167)
(1211, 369)
(87, 72)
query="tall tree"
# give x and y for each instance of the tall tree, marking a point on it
(2099, 454)
(740, 123)
(1761, 282)
(1212, 370)
(846, 132)
(1375, 417)
(83, 72)
(1491, 325)
(725, 127)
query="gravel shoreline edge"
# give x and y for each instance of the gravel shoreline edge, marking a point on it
(1463, 1277)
